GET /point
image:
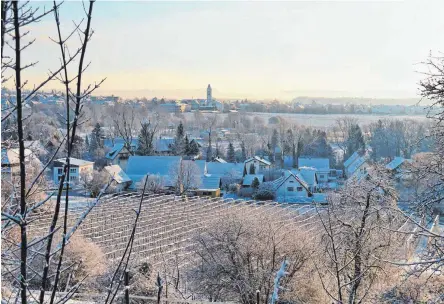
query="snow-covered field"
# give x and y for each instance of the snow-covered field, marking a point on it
(320, 120)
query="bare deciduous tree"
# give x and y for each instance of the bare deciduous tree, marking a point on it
(357, 237)
(185, 176)
(237, 256)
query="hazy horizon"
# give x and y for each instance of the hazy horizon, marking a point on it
(251, 50)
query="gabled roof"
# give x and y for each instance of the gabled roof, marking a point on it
(112, 154)
(320, 164)
(10, 157)
(143, 165)
(264, 161)
(355, 165)
(210, 182)
(351, 159)
(396, 162)
(139, 166)
(308, 174)
(248, 179)
(119, 140)
(225, 169)
(117, 174)
(75, 161)
(277, 183)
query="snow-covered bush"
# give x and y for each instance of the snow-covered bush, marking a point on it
(233, 188)
(265, 192)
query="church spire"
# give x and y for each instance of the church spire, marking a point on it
(209, 97)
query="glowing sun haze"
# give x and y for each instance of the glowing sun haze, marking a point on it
(251, 49)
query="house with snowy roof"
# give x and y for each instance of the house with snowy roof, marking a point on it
(77, 168)
(290, 185)
(140, 166)
(256, 165)
(11, 162)
(118, 155)
(120, 180)
(400, 167)
(228, 172)
(111, 142)
(356, 165)
(248, 179)
(321, 165)
(218, 159)
(210, 186)
(309, 176)
(225, 169)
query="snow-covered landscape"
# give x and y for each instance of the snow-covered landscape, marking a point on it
(222, 152)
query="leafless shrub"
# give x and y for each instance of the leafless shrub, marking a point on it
(237, 256)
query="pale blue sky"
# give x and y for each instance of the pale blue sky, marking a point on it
(254, 49)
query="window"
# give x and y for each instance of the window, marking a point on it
(72, 178)
(322, 176)
(59, 171)
(290, 189)
(291, 181)
(72, 170)
(299, 189)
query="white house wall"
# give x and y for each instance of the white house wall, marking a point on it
(258, 168)
(282, 191)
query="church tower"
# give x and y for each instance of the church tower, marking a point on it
(209, 98)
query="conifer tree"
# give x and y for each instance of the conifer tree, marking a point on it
(255, 184)
(96, 141)
(193, 148)
(179, 148)
(252, 169)
(231, 155)
(97, 135)
(146, 137)
(187, 146)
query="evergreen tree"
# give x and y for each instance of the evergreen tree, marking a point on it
(93, 146)
(255, 184)
(252, 169)
(231, 155)
(146, 137)
(187, 147)
(270, 153)
(193, 148)
(179, 148)
(355, 141)
(274, 139)
(97, 136)
(209, 153)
